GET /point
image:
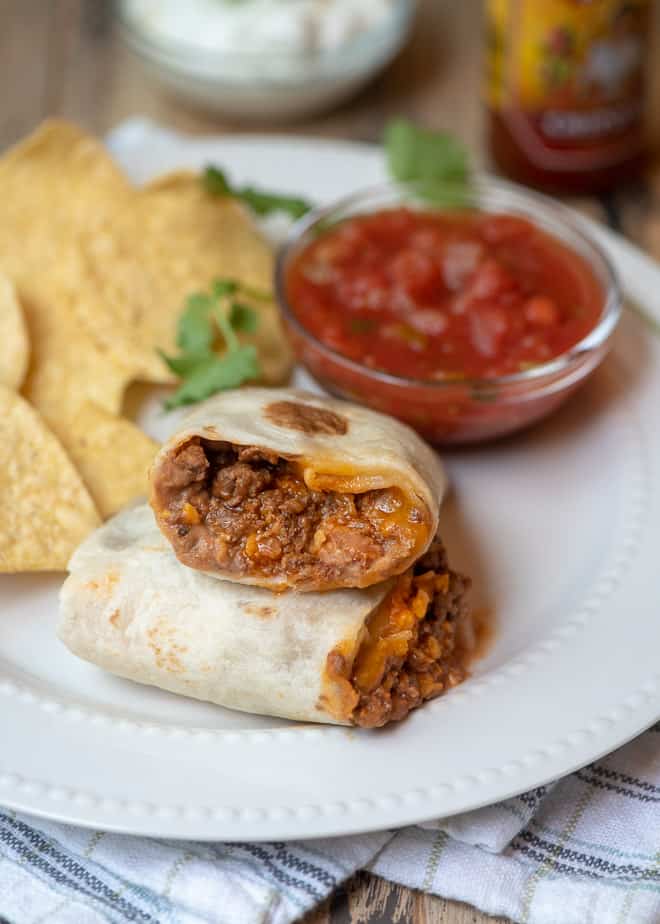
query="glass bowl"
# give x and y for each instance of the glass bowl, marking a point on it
(276, 85)
(469, 410)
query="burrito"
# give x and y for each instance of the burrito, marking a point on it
(284, 489)
(349, 657)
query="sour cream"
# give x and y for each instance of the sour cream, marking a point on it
(299, 55)
(295, 27)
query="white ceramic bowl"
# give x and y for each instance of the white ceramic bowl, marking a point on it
(276, 86)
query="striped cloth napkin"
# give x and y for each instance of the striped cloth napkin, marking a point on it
(585, 850)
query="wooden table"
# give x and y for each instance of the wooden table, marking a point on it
(62, 57)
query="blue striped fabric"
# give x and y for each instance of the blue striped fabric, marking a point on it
(583, 851)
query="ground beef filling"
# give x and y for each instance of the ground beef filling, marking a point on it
(417, 644)
(246, 511)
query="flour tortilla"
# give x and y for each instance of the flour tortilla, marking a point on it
(131, 608)
(372, 452)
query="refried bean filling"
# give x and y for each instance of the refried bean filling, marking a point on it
(417, 645)
(246, 511)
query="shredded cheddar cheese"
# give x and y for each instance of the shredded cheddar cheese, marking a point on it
(391, 629)
(251, 546)
(190, 515)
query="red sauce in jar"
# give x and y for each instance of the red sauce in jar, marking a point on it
(442, 296)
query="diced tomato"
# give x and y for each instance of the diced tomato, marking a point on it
(429, 321)
(369, 291)
(542, 311)
(488, 327)
(461, 259)
(334, 250)
(429, 240)
(416, 273)
(490, 280)
(498, 228)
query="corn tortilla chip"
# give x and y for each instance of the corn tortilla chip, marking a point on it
(102, 271)
(66, 367)
(47, 511)
(112, 455)
(13, 337)
(171, 240)
(53, 185)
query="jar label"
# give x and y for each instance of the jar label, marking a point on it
(567, 77)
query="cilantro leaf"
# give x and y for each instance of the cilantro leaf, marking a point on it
(216, 183)
(436, 163)
(242, 317)
(184, 364)
(263, 203)
(202, 371)
(226, 329)
(222, 287)
(216, 373)
(415, 154)
(257, 295)
(195, 331)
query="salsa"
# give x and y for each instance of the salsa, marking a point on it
(443, 296)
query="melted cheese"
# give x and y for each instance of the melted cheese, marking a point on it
(409, 518)
(392, 629)
(390, 633)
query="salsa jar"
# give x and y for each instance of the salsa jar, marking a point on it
(565, 90)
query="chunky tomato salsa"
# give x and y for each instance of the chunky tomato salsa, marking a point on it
(443, 296)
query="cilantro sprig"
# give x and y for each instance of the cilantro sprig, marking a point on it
(436, 164)
(261, 202)
(208, 315)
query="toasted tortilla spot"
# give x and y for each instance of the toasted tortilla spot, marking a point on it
(306, 418)
(104, 586)
(261, 612)
(166, 652)
(115, 617)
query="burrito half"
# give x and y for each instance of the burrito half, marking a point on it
(350, 657)
(284, 489)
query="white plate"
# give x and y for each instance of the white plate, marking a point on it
(560, 529)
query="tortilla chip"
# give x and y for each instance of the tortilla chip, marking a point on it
(111, 453)
(67, 368)
(53, 185)
(46, 509)
(171, 240)
(13, 337)
(102, 271)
